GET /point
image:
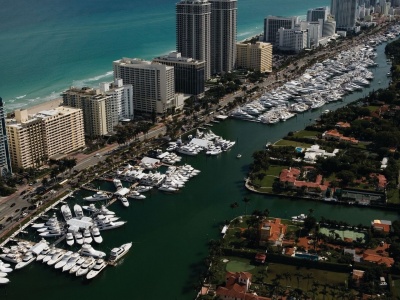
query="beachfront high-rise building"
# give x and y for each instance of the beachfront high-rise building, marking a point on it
(193, 31)
(345, 13)
(5, 160)
(120, 103)
(273, 23)
(34, 138)
(315, 14)
(152, 84)
(223, 35)
(256, 56)
(94, 107)
(189, 72)
(295, 39)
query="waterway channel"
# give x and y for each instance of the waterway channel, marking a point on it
(170, 231)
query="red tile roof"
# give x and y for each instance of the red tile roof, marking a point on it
(337, 135)
(291, 175)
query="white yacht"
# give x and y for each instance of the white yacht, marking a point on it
(187, 150)
(136, 195)
(117, 183)
(117, 253)
(78, 211)
(99, 266)
(64, 260)
(66, 212)
(50, 255)
(42, 254)
(96, 235)
(5, 268)
(143, 188)
(99, 196)
(26, 260)
(105, 211)
(87, 237)
(86, 266)
(56, 258)
(70, 239)
(91, 208)
(11, 257)
(4, 280)
(71, 262)
(124, 201)
(78, 238)
(52, 233)
(167, 188)
(77, 265)
(105, 224)
(88, 250)
(300, 218)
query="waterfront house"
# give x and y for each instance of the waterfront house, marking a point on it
(311, 154)
(272, 231)
(380, 179)
(337, 136)
(381, 225)
(237, 287)
(289, 179)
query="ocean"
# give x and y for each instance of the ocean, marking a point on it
(49, 45)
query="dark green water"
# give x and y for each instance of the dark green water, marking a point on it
(170, 232)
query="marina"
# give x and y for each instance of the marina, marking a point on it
(196, 213)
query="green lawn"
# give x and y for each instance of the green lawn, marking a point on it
(372, 108)
(393, 196)
(292, 143)
(287, 276)
(306, 134)
(271, 174)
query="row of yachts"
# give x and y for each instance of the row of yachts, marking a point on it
(322, 83)
(86, 262)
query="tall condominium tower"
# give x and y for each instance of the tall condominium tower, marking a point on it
(273, 23)
(223, 35)
(315, 14)
(345, 13)
(152, 84)
(5, 161)
(193, 31)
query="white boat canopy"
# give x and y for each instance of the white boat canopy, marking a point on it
(83, 223)
(122, 192)
(199, 142)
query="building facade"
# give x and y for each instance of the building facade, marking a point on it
(35, 138)
(315, 14)
(345, 13)
(152, 84)
(188, 72)
(295, 39)
(273, 23)
(5, 160)
(193, 31)
(256, 56)
(94, 107)
(223, 35)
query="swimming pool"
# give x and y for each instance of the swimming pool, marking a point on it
(299, 149)
(306, 256)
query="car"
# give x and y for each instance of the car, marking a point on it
(24, 214)
(12, 204)
(23, 192)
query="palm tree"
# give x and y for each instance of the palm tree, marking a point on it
(308, 276)
(287, 276)
(298, 276)
(246, 201)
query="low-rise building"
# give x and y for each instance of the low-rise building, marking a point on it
(381, 225)
(333, 134)
(272, 231)
(311, 154)
(290, 179)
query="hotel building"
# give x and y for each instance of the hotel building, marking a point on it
(5, 160)
(188, 72)
(256, 56)
(35, 138)
(152, 84)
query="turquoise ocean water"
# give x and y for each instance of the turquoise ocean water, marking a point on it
(48, 45)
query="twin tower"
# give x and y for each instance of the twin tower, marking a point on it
(206, 30)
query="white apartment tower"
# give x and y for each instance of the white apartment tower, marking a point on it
(35, 138)
(120, 104)
(193, 31)
(152, 84)
(223, 35)
(273, 23)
